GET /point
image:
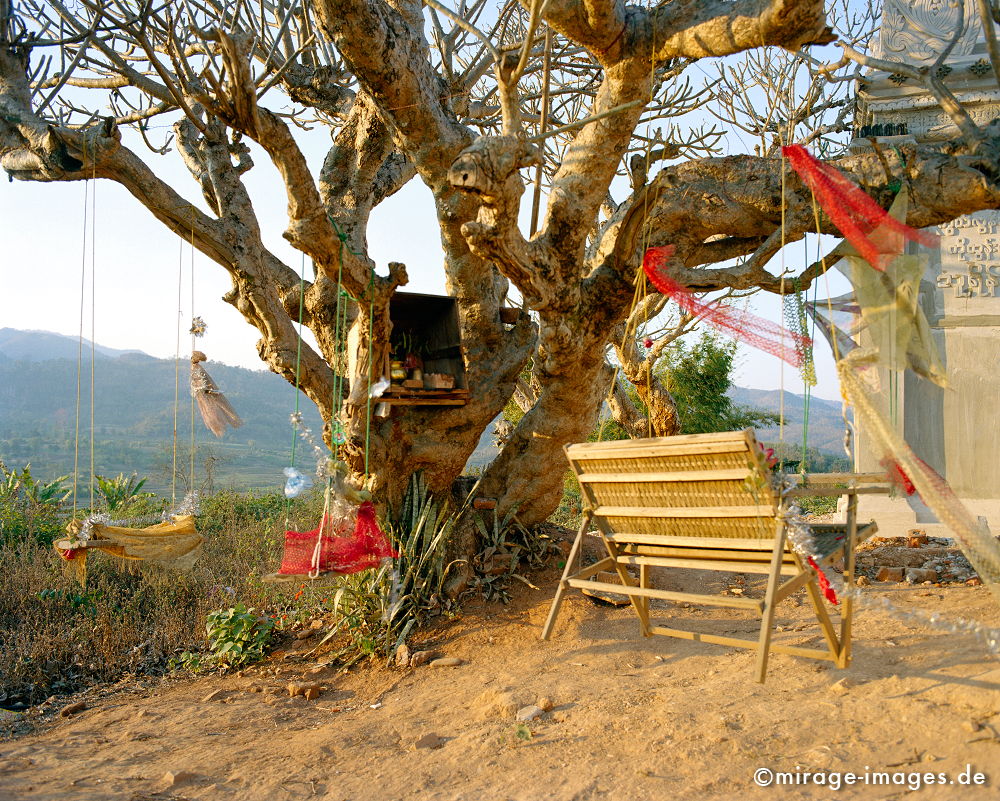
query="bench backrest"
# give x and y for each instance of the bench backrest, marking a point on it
(693, 486)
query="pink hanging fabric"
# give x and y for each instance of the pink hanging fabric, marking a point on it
(742, 325)
(873, 232)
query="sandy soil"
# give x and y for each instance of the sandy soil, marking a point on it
(633, 718)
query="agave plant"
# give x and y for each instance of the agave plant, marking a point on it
(379, 608)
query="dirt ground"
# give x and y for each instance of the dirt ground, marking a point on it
(631, 718)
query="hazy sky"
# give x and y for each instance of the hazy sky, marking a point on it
(136, 258)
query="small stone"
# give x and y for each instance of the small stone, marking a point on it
(889, 574)
(916, 538)
(447, 661)
(972, 726)
(311, 693)
(305, 634)
(545, 704)
(862, 581)
(255, 688)
(403, 656)
(975, 581)
(920, 575)
(72, 709)
(840, 687)
(215, 695)
(174, 777)
(496, 703)
(429, 740)
(421, 658)
(296, 688)
(529, 713)
(316, 624)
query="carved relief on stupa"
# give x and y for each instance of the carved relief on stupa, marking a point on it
(919, 30)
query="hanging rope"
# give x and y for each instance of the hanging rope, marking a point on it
(93, 318)
(329, 550)
(177, 373)
(79, 352)
(194, 330)
(296, 483)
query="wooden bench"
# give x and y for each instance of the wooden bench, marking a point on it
(708, 502)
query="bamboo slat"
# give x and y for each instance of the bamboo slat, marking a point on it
(738, 642)
(703, 563)
(738, 474)
(749, 544)
(710, 512)
(668, 595)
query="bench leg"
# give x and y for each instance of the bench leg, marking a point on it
(847, 604)
(564, 581)
(644, 626)
(767, 623)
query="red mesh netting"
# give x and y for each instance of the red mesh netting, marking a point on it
(897, 476)
(824, 583)
(340, 551)
(873, 232)
(742, 325)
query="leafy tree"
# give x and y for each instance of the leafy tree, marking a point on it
(473, 102)
(699, 377)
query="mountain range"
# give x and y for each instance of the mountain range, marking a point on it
(134, 417)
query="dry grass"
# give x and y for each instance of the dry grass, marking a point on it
(56, 636)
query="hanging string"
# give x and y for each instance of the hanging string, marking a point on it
(781, 367)
(294, 483)
(93, 318)
(79, 352)
(371, 358)
(640, 284)
(807, 384)
(177, 372)
(191, 446)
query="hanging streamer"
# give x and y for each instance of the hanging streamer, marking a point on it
(876, 235)
(979, 546)
(742, 325)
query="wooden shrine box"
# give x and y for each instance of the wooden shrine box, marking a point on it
(431, 322)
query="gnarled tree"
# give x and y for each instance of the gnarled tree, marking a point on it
(471, 101)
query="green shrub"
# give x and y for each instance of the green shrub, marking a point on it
(236, 637)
